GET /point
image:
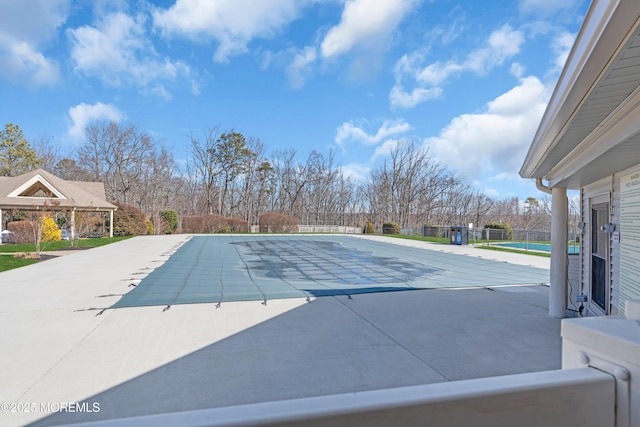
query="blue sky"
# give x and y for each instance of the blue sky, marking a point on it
(468, 79)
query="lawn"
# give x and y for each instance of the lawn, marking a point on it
(61, 245)
(8, 261)
(445, 240)
(515, 251)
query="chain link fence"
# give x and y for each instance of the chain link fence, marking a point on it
(490, 235)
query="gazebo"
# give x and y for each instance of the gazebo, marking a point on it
(40, 190)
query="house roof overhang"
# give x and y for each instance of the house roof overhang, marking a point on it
(591, 127)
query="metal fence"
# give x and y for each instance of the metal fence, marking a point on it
(487, 234)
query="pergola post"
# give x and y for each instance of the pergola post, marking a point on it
(559, 251)
(73, 224)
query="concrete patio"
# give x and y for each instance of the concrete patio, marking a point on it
(61, 347)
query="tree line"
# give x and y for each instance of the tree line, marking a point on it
(228, 174)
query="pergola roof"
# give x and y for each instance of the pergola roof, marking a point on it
(40, 188)
(591, 128)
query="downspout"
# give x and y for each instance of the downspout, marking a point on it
(542, 187)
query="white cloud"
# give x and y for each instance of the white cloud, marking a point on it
(356, 172)
(502, 44)
(401, 99)
(428, 81)
(517, 69)
(495, 141)
(435, 74)
(232, 23)
(25, 26)
(20, 62)
(300, 67)
(492, 192)
(386, 148)
(83, 114)
(349, 132)
(449, 30)
(117, 51)
(561, 46)
(365, 23)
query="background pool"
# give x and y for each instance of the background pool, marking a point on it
(545, 247)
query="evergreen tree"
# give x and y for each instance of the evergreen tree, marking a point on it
(16, 155)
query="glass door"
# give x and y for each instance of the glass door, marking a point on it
(599, 257)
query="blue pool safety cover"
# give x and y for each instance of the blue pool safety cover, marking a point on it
(215, 269)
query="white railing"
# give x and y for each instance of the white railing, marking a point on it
(581, 397)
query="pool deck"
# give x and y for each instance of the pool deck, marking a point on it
(60, 347)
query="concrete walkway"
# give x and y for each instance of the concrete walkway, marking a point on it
(60, 348)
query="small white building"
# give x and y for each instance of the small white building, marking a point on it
(589, 140)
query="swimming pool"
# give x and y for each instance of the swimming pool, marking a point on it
(225, 268)
(544, 247)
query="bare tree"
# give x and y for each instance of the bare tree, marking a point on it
(48, 153)
(411, 188)
(116, 155)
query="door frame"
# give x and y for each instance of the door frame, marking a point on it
(599, 203)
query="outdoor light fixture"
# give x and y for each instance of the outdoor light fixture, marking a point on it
(608, 228)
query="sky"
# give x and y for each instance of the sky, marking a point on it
(469, 80)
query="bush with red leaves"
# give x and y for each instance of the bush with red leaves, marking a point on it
(213, 224)
(274, 222)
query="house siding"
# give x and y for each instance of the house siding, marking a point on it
(616, 245)
(596, 192)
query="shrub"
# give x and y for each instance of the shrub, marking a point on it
(369, 228)
(149, 226)
(390, 228)
(23, 231)
(170, 219)
(213, 224)
(193, 224)
(50, 230)
(237, 225)
(129, 221)
(275, 222)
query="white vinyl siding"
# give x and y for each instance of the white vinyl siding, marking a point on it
(594, 193)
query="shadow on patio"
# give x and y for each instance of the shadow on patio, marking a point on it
(337, 345)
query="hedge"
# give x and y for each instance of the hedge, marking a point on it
(213, 224)
(275, 222)
(129, 221)
(23, 231)
(390, 228)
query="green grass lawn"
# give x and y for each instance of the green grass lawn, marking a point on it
(61, 244)
(515, 251)
(445, 240)
(8, 261)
